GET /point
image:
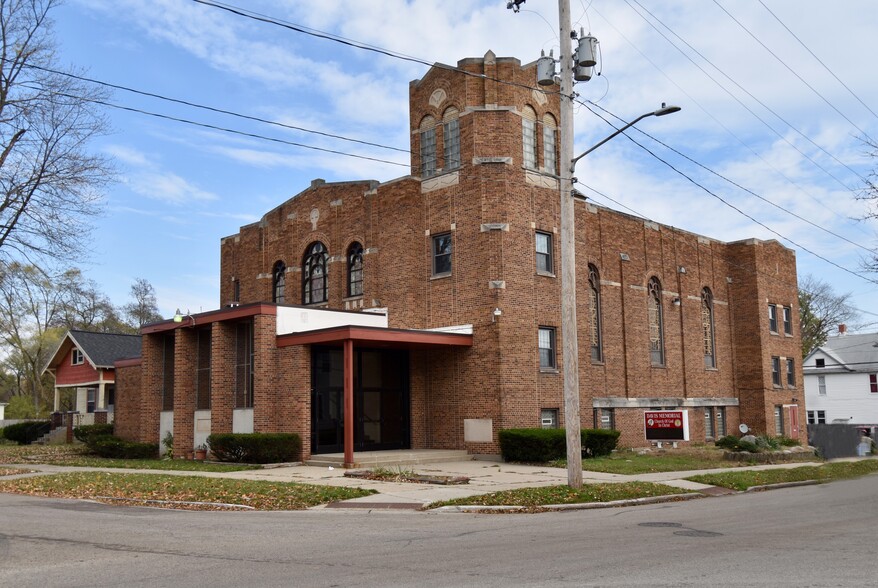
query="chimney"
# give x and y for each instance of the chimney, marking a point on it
(842, 329)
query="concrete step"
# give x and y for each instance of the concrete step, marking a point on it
(399, 457)
(55, 437)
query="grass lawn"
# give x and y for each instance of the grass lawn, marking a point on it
(747, 478)
(13, 471)
(536, 497)
(137, 489)
(76, 455)
(670, 460)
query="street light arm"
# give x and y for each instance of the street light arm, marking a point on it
(660, 112)
(618, 132)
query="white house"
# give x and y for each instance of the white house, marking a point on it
(841, 381)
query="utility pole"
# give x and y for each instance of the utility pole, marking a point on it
(569, 337)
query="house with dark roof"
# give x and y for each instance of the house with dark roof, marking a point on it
(841, 381)
(85, 377)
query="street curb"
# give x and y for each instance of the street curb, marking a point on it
(782, 485)
(565, 507)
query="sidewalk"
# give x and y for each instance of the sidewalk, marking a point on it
(484, 477)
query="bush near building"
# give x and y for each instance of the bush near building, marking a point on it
(26, 433)
(544, 445)
(255, 447)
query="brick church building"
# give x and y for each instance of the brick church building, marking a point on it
(424, 312)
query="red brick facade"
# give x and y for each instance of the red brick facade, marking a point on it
(493, 207)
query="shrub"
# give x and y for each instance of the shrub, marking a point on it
(785, 441)
(747, 446)
(116, 448)
(544, 445)
(27, 433)
(598, 442)
(84, 432)
(729, 442)
(255, 447)
(533, 445)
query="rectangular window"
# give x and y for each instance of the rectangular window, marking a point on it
(544, 252)
(820, 362)
(720, 421)
(604, 419)
(168, 372)
(110, 391)
(547, 347)
(549, 159)
(873, 383)
(428, 153)
(244, 365)
(236, 290)
(778, 420)
(821, 385)
(529, 139)
(549, 418)
(772, 318)
(451, 138)
(791, 372)
(811, 419)
(202, 370)
(76, 357)
(821, 417)
(442, 254)
(775, 371)
(90, 395)
(708, 423)
(816, 417)
(787, 320)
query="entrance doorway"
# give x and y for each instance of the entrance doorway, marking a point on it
(381, 400)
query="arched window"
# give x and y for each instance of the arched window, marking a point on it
(707, 328)
(451, 139)
(594, 299)
(314, 287)
(550, 133)
(355, 269)
(655, 318)
(529, 137)
(278, 278)
(427, 130)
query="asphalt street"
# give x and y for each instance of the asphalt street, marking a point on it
(807, 536)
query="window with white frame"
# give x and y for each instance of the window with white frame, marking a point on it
(775, 371)
(442, 254)
(791, 372)
(451, 139)
(428, 146)
(604, 419)
(550, 134)
(546, 344)
(76, 357)
(709, 432)
(529, 137)
(772, 318)
(821, 385)
(873, 383)
(787, 320)
(816, 417)
(544, 252)
(778, 420)
(720, 421)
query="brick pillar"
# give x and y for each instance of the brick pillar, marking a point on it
(100, 417)
(71, 416)
(267, 373)
(57, 420)
(185, 355)
(222, 376)
(146, 427)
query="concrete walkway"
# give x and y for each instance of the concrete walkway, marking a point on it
(484, 477)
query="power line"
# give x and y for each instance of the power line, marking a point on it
(230, 131)
(737, 185)
(832, 73)
(732, 206)
(214, 109)
(792, 71)
(740, 87)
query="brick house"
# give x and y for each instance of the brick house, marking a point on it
(84, 371)
(429, 304)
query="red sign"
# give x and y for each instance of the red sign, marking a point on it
(666, 425)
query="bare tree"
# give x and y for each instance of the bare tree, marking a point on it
(143, 308)
(821, 310)
(869, 194)
(49, 183)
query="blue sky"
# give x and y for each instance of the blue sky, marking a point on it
(181, 188)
